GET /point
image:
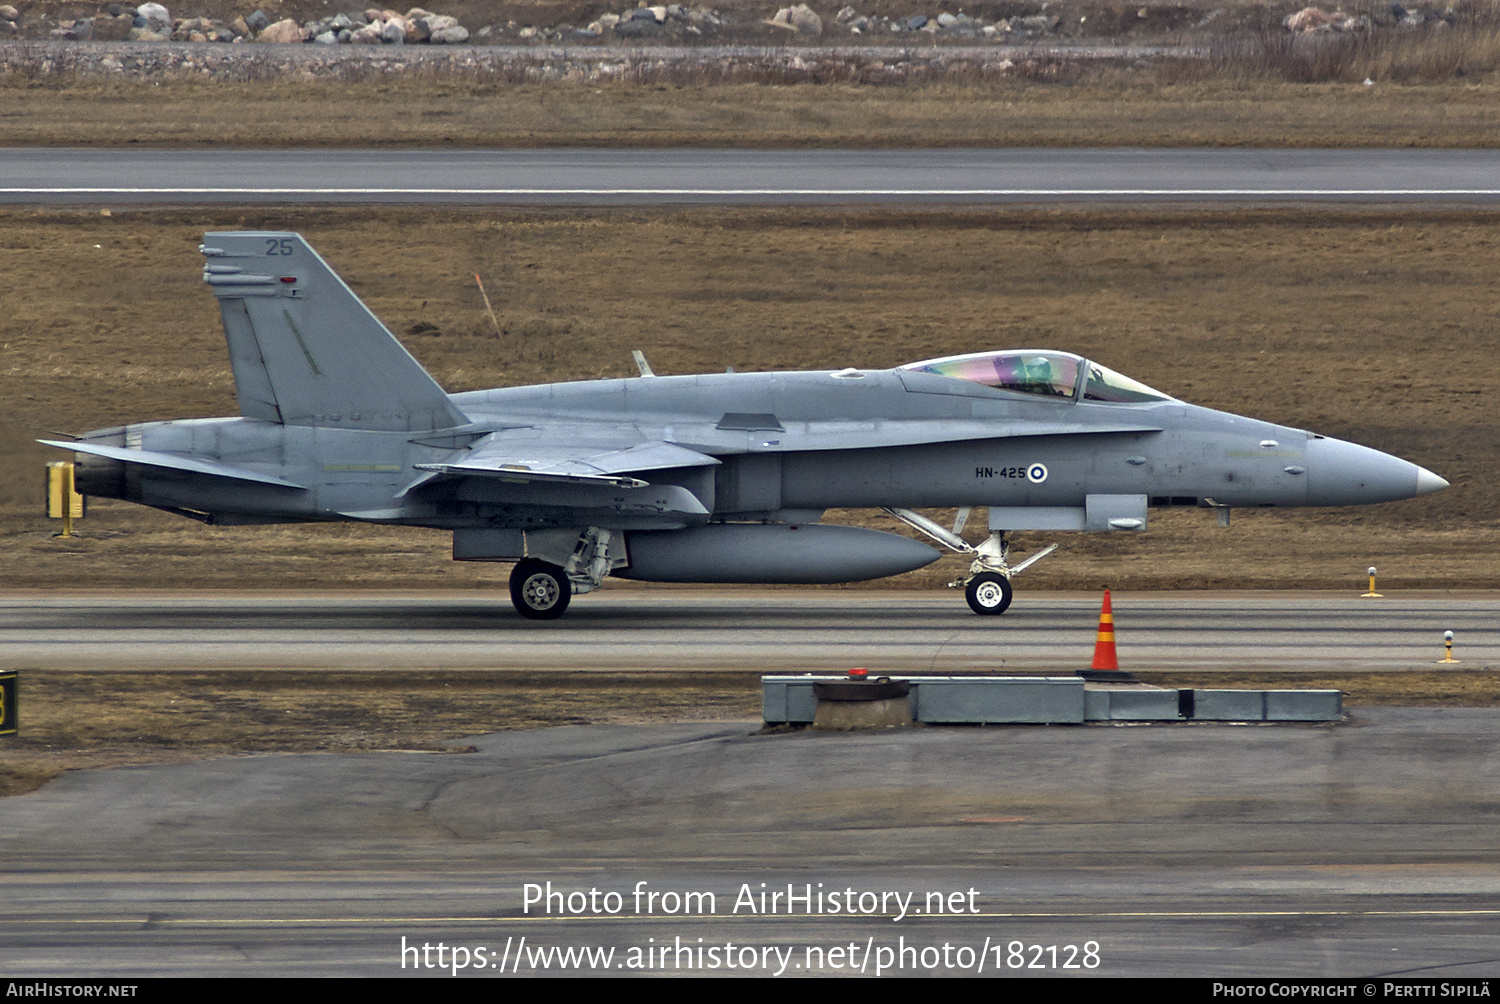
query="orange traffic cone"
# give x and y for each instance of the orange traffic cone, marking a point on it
(1104, 646)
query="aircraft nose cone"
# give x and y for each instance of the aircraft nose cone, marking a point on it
(1428, 482)
(1341, 473)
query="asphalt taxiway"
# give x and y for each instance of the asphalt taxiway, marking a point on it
(745, 629)
(1359, 850)
(765, 177)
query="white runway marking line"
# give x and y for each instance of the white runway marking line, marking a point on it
(883, 192)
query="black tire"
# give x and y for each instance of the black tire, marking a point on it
(539, 590)
(988, 593)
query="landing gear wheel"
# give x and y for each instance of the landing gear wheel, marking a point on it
(539, 589)
(988, 593)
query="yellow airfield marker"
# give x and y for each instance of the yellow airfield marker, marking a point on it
(63, 502)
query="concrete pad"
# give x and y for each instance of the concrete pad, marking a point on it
(1304, 706)
(1229, 705)
(998, 700)
(1122, 705)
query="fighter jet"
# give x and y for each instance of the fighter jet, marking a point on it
(714, 478)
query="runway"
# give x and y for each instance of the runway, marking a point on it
(743, 629)
(1363, 850)
(765, 177)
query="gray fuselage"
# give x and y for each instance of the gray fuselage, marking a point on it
(784, 441)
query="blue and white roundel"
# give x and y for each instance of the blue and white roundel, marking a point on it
(1036, 473)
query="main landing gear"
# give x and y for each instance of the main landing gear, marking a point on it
(581, 559)
(988, 587)
(539, 589)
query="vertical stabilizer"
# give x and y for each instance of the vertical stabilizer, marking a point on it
(305, 349)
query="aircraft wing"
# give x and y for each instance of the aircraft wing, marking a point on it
(172, 462)
(554, 456)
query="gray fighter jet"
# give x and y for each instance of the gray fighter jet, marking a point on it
(716, 478)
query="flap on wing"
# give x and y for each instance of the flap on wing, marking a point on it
(519, 473)
(586, 463)
(172, 461)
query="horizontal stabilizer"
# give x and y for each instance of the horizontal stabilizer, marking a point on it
(171, 461)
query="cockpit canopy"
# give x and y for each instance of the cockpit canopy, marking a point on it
(1048, 374)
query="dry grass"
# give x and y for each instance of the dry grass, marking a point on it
(105, 719)
(1402, 57)
(1445, 689)
(1377, 327)
(1116, 108)
(1259, 85)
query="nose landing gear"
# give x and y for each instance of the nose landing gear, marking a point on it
(987, 589)
(988, 593)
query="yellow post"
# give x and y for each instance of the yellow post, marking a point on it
(1447, 648)
(9, 705)
(1372, 594)
(62, 501)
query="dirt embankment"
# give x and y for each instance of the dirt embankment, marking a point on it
(722, 22)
